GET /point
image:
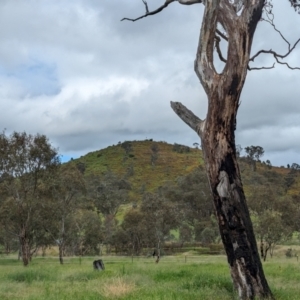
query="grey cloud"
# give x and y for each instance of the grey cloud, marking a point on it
(269, 98)
(113, 81)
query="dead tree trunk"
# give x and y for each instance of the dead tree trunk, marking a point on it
(238, 19)
(218, 139)
(230, 204)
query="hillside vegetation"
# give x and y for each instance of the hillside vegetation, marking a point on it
(134, 161)
(145, 164)
(168, 183)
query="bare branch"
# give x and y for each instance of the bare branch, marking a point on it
(150, 13)
(162, 7)
(188, 117)
(189, 2)
(261, 68)
(204, 62)
(222, 35)
(218, 40)
(260, 52)
(270, 19)
(275, 54)
(146, 6)
(285, 63)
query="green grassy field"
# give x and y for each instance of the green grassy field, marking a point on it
(179, 277)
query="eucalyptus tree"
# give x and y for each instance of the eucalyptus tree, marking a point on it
(27, 164)
(159, 217)
(107, 193)
(193, 196)
(87, 233)
(135, 229)
(235, 22)
(253, 154)
(65, 191)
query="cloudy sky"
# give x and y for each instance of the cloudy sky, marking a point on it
(72, 71)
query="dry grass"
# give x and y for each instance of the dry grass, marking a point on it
(280, 251)
(117, 287)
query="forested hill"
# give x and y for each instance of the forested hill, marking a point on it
(145, 164)
(148, 164)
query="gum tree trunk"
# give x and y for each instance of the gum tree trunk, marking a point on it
(218, 139)
(61, 253)
(61, 243)
(25, 249)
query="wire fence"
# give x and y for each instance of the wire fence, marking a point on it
(134, 259)
(12, 259)
(118, 259)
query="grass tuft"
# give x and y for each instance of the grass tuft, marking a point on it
(167, 275)
(209, 281)
(30, 275)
